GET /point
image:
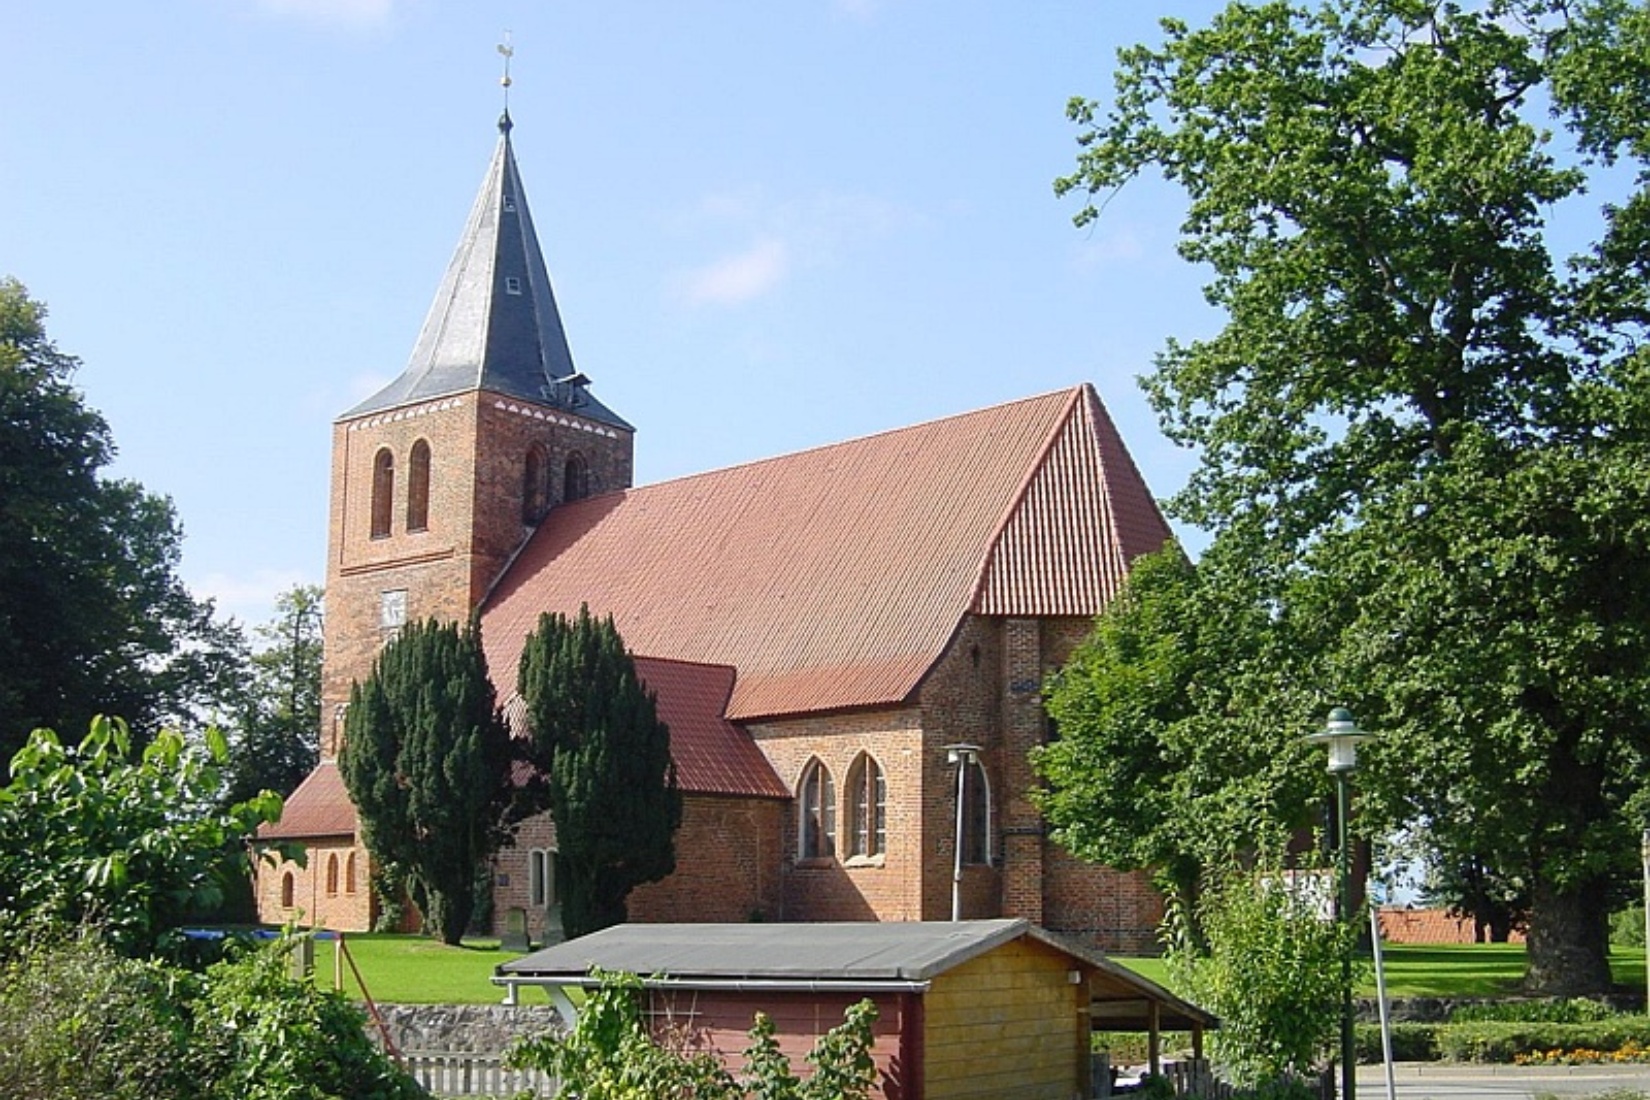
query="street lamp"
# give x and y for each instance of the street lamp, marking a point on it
(962, 757)
(1341, 735)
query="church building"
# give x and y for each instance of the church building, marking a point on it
(847, 643)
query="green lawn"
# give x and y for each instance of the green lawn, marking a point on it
(1476, 970)
(416, 970)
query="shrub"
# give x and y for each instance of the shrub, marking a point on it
(1547, 1010)
(1502, 1042)
(1411, 1042)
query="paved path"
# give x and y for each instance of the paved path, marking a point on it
(1461, 1081)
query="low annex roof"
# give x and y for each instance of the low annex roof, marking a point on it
(712, 755)
(320, 806)
(834, 578)
(839, 955)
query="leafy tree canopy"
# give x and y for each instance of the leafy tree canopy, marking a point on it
(1422, 433)
(426, 758)
(90, 834)
(93, 616)
(610, 784)
(276, 723)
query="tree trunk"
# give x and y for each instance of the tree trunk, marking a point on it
(1568, 944)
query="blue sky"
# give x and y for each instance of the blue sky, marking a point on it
(769, 225)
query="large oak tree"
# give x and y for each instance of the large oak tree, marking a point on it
(1423, 435)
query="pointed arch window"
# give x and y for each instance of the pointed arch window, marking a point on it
(816, 831)
(976, 795)
(418, 487)
(332, 874)
(535, 484)
(575, 478)
(349, 874)
(541, 878)
(286, 890)
(867, 808)
(383, 492)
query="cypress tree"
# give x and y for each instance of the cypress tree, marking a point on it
(426, 758)
(604, 755)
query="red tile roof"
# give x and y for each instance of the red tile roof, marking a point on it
(319, 807)
(835, 577)
(713, 756)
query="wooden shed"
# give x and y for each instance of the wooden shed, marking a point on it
(988, 1008)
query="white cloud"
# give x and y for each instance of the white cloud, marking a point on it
(741, 276)
(349, 13)
(249, 598)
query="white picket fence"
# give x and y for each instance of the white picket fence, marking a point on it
(460, 1074)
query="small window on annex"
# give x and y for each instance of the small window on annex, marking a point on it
(541, 878)
(575, 478)
(349, 874)
(286, 890)
(535, 484)
(976, 839)
(332, 874)
(868, 808)
(418, 487)
(816, 833)
(383, 493)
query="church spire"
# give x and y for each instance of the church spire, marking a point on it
(494, 324)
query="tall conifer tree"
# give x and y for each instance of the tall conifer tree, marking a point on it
(426, 759)
(609, 782)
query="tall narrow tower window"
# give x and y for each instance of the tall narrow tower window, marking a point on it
(816, 831)
(383, 493)
(418, 487)
(575, 478)
(535, 484)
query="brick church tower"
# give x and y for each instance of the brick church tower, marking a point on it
(439, 478)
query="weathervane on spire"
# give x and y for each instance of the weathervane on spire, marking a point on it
(506, 51)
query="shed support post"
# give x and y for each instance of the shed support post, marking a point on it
(1154, 1037)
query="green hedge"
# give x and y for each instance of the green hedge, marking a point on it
(1498, 1042)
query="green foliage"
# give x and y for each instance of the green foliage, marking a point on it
(1268, 965)
(1547, 1010)
(609, 1055)
(261, 1035)
(78, 1020)
(1424, 440)
(1165, 761)
(88, 833)
(1411, 1042)
(604, 755)
(426, 758)
(93, 615)
(275, 724)
(1627, 927)
(1502, 1042)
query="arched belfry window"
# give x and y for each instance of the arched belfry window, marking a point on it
(867, 808)
(575, 478)
(535, 484)
(418, 487)
(816, 802)
(383, 493)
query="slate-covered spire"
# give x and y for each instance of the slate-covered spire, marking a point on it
(494, 325)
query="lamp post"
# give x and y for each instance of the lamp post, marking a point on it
(962, 757)
(1341, 735)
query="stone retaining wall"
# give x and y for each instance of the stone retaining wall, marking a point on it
(480, 1029)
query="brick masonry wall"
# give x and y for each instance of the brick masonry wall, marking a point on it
(348, 908)
(961, 702)
(843, 888)
(727, 867)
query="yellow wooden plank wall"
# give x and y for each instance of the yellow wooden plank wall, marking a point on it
(1006, 1025)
